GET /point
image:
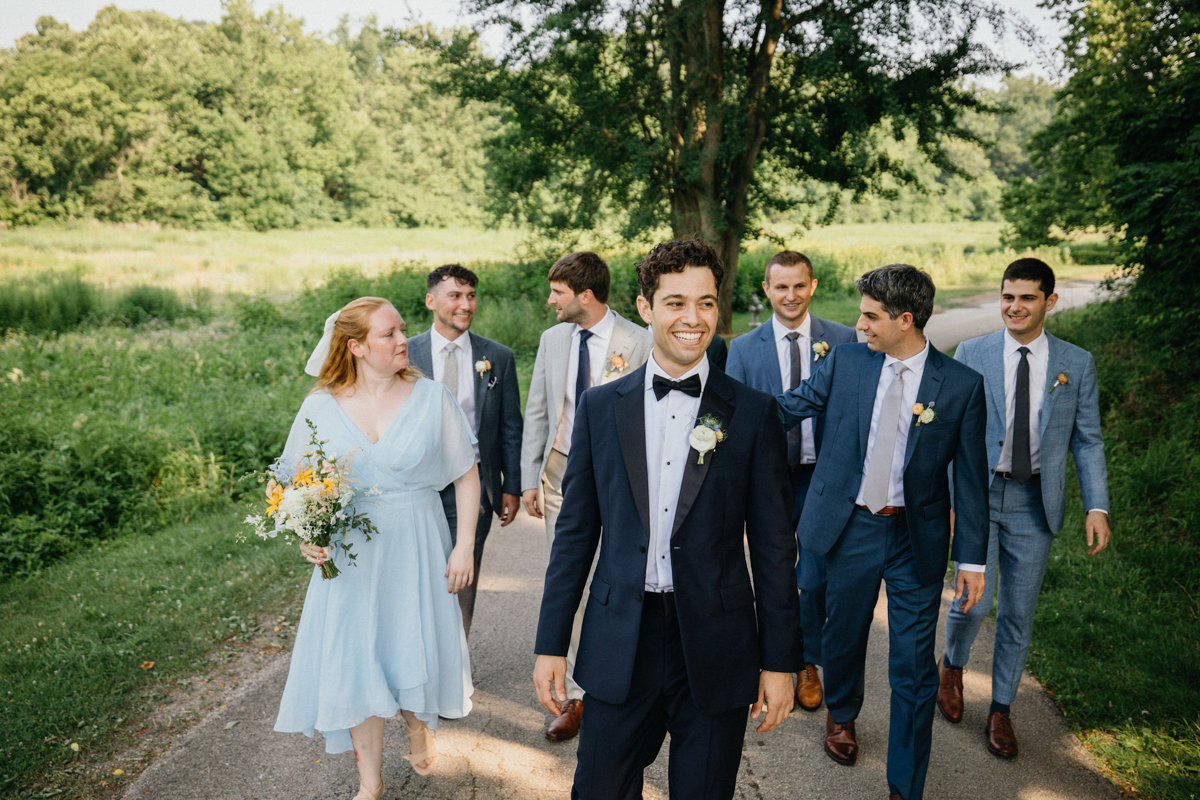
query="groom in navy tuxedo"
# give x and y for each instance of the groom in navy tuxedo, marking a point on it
(671, 468)
(897, 413)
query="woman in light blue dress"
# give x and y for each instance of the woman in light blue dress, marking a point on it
(386, 635)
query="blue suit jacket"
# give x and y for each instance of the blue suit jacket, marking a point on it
(1070, 420)
(731, 628)
(845, 390)
(754, 361)
(497, 411)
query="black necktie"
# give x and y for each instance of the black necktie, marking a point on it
(1022, 461)
(795, 441)
(689, 386)
(583, 377)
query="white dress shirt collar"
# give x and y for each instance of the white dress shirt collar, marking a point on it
(915, 364)
(438, 342)
(781, 330)
(652, 368)
(602, 329)
(1039, 347)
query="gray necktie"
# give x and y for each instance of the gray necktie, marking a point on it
(795, 441)
(878, 482)
(450, 369)
(1022, 458)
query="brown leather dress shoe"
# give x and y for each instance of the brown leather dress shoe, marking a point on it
(950, 693)
(840, 744)
(809, 693)
(1001, 739)
(566, 724)
(894, 796)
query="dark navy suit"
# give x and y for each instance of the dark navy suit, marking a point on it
(724, 628)
(754, 360)
(908, 551)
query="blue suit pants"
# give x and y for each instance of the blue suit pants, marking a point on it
(873, 549)
(810, 577)
(1018, 551)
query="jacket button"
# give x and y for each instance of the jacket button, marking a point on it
(1001, 443)
(638, 595)
(641, 548)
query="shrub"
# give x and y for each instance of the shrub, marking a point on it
(61, 303)
(143, 304)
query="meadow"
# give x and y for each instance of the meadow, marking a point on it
(144, 371)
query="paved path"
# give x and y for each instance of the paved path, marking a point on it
(499, 750)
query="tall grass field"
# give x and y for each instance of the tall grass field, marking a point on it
(144, 371)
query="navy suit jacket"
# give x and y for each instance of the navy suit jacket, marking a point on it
(497, 411)
(754, 361)
(845, 390)
(730, 627)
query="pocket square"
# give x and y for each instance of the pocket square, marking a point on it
(492, 383)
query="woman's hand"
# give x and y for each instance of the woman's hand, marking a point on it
(460, 568)
(315, 555)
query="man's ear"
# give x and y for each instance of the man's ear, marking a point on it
(644, 309)
(906, 321)
(429, 301)
(586, 297)
(1051, 301)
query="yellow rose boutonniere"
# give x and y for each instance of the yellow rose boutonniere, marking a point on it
(924, 414)
(483, 366)
(820, 350)
(1062, 379)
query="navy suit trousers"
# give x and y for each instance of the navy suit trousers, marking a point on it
(466, 598)
(810, 577)
(618, 741)
(874, 548)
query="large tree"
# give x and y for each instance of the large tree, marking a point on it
(700, 113)
(1122, 153)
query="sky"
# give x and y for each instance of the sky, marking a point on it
(17, 17)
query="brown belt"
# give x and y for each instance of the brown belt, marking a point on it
(886, 511)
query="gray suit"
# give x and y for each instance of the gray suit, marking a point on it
(498, 427)
(1024, 518)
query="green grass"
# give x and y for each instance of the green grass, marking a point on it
(1117, 635)
(74, 639)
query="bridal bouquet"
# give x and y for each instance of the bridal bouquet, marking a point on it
(314, 505)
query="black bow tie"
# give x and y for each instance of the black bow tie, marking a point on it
(689, 386)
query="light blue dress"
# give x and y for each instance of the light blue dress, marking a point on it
(386, 634)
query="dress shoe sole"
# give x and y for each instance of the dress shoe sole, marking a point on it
(845, 762)
(550, 738)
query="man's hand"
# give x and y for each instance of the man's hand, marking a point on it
(548, 672)
(529, 500)
(972, 584)
(1097, 531)
(775, 697)
(509, 503)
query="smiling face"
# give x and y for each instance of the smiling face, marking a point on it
(883, 334)
(1024, 306)
(683, 318)
(567, 305)
(453, 305)
(790, 290)
(385, 351)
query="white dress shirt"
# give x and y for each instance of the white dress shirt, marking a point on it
(597, 346)
(783, 349)
(669, 423)
(1039, 363)
(466, 377)
(912, 384)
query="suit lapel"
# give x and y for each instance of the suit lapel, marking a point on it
(927, 394)
(617, 346)
(1055, 363)
(631, 435)
(993, 368)
(422, 353)
(868, 385)
(769, 357)
(718, 392)
(480, 352)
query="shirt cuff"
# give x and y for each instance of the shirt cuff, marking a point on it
(1101, 510)
(972, 567)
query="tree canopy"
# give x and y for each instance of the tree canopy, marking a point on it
(250, 122)
(696, 113)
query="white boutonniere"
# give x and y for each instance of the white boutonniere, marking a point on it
(483, 365)
(707, 434)
(820, 350)
(924, 414)
(616, 364)
(1062, 379)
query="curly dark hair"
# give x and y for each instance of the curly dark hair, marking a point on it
(460, 274)
(676, 256)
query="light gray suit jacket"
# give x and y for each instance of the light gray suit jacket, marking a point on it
(544, 405)
(1070, 420)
